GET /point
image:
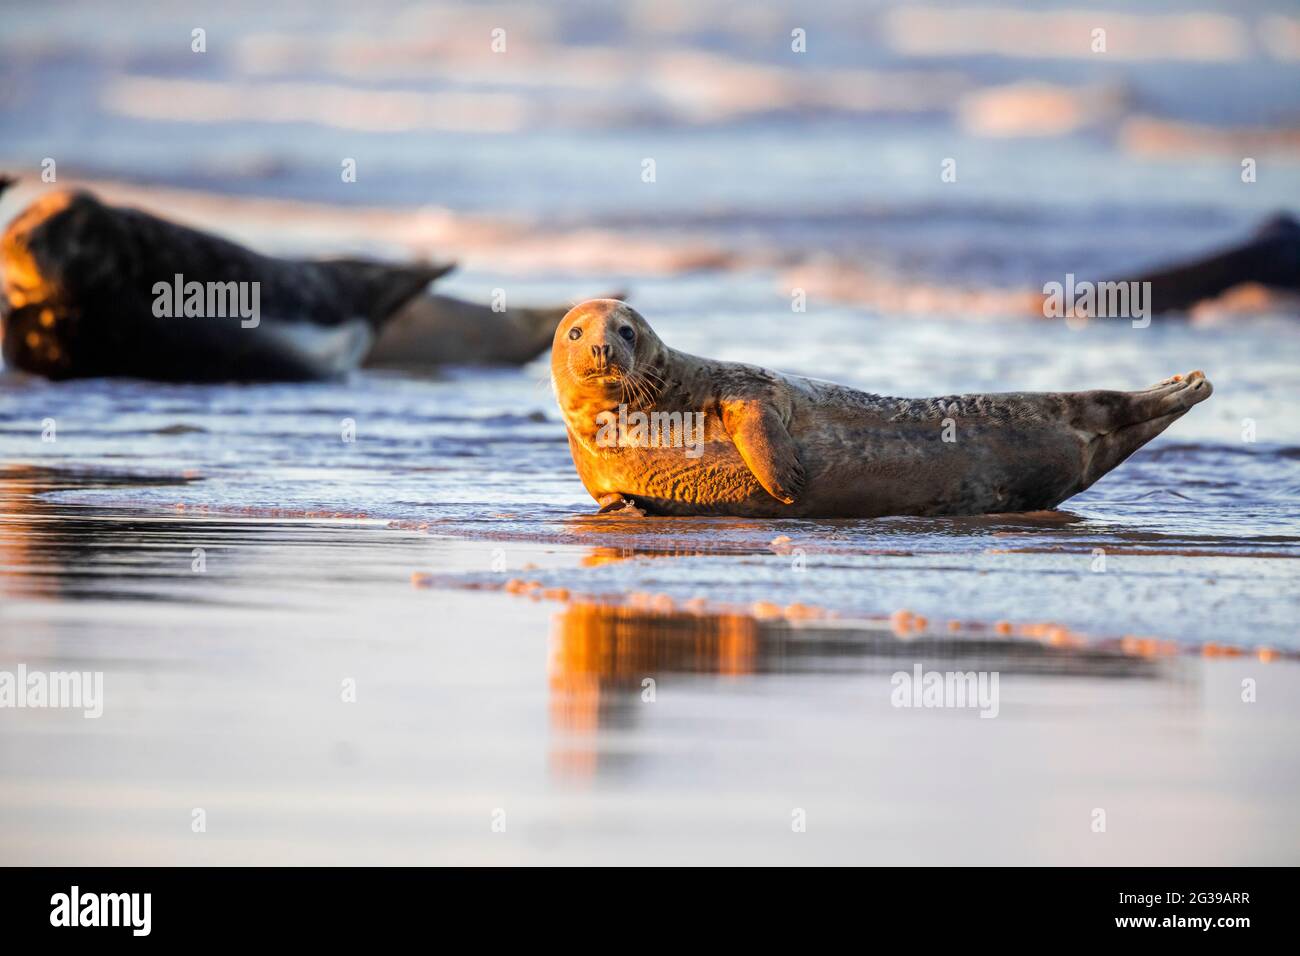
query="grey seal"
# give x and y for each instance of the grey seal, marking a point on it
(771, 445)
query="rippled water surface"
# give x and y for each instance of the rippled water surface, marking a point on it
(1199, 528)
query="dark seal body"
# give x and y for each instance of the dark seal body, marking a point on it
(1271, 259)
(78, 298)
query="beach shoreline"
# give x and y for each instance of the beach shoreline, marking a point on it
(236, 706)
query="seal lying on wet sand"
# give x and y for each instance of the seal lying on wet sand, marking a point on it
(771, 445)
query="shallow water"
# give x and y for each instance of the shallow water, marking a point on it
(1199, 528)
(318, 709)
(477, 708)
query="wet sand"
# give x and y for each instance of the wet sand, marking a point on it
(224, 691)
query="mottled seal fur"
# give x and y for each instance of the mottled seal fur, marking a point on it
(777, 445)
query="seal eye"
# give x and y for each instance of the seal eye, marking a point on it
(575, 333)
(627, 333)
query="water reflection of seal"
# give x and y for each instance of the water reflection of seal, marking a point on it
(779, 445)
(79, 283)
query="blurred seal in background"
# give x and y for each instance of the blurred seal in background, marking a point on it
(88, 289)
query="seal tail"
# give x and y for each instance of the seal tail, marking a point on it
(1142, 417)
(378, 290)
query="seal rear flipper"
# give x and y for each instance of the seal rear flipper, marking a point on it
(766, 447)
(378, 290)
(1143, 416)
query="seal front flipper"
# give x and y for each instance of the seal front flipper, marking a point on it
(617, 506)
(766, 446)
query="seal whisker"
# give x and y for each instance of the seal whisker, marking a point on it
(645, 398)
(651, 379)
(634, 389)
(659, 383)
(645, 393)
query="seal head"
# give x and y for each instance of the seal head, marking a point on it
(604, 354)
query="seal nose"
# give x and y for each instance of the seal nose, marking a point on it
(601, 354)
